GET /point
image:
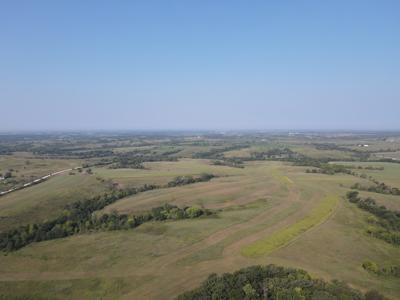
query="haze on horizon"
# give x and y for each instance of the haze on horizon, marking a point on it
(71, 65)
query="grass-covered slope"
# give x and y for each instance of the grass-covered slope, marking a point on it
(160, 260)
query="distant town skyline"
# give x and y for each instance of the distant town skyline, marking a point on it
(180, 65)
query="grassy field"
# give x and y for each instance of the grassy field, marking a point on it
(26, 167)
(300, 219)
(162, 172)
(390, 175)
(46, 200)
(393, 155)
(266, 212)
(281, 238)
(311, 151)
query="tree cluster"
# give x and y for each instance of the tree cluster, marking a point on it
(372, 168)
(78, 216)
(372, 267)
(183, 180)
(136, 159)
(380, 188)
(330, 169)
(387, 222)
(84, 222)
(217, 153)
(234, 162)
(273, 283)
(70, 222)
(115, 221)
(275, 153)
(61, 150)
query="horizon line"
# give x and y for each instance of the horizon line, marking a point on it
(214, 130)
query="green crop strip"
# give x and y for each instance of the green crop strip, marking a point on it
(284, 236)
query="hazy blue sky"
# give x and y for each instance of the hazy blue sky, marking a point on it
(199, 64)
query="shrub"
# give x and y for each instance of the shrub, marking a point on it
(371, 267)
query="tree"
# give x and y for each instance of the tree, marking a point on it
(193, 212)
(352, 196)
(249, 291)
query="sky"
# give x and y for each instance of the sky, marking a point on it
(160, 65)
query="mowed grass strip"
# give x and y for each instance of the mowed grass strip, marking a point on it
(284, 236)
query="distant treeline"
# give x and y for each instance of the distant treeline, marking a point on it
(62, 150)
(332, 146)
(229, 162)
(324, 167)
(82, 152)
(321, 165)
(371, 168)
(386, 225)
(274, 283)
(361, 155)
(330, 169)
(78, 217)
(217, 153)
(282, 154)
(389, 160)
(275, 153)
(183, 180)
(135, 160)
(7, 149)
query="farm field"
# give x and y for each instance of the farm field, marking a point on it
(263, 211)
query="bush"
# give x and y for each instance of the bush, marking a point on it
(193, 212)
(374, 295)
(387, 271)
(371, 267)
